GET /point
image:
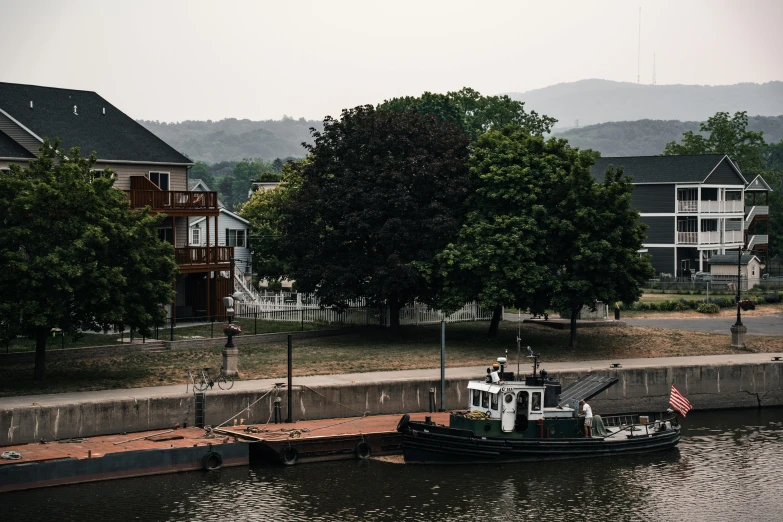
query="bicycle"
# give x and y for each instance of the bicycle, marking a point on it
(224, 382)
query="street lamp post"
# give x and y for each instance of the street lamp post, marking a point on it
(738, 330)
(230, 351)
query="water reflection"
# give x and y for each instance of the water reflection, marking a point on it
(726, 467)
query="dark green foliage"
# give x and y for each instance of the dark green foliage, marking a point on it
(72, 254)
(234, 140)
(724, 134)
(381, 194)
(264, 212)
(202, 171)
(539, 230)
(708, 308)
(473, 112)
(595, 239)
(649, 137)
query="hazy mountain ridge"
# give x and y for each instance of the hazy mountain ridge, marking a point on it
(615, 118)
(234, 140)
(599, 101)
(648, 137)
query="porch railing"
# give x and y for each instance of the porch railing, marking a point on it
(709, 238)
(203, 255)
(163, 200)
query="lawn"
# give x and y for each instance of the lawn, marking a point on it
(182, 332)
(371, 350)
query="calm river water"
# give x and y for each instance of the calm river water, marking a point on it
(728, 466)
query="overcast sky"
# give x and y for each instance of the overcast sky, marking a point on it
(176, 60)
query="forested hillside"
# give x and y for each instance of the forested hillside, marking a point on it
(649, 137)
(234, 140)
(599, 101)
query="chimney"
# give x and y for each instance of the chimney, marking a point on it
(31, 104)
(74, 110)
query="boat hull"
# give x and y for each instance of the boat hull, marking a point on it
(427, 444)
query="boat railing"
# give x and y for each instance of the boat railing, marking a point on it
(616, 421)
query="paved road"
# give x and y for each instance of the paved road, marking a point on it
(474, 372)
(763, 325)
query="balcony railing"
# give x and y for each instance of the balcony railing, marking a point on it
(709, 238)
(688, 205)
(709, 207)
(191, 256)
(168, 200)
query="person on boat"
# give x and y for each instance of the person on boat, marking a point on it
(587, 411)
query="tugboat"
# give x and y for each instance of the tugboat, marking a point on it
(532, 419)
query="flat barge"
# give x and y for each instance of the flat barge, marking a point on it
(158, 452)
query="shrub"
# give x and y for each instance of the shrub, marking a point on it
(772, 298)
(708, 308)
(680, 306)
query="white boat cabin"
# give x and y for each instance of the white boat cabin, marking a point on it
(506, 400)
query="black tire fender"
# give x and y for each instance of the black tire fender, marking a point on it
(289, 455)
(362, 450)
(404, 422)
(212, 461)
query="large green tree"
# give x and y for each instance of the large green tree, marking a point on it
(474, 112)
(500, 256)
(595, 238)
(73, 255)
(381, 194)
(264, 213)
(724, 134)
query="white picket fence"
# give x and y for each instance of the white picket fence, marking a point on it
(358, 315)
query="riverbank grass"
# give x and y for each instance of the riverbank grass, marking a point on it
(370, 350)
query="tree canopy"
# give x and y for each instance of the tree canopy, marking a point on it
(725, 135)
(380, 195)
(72, 254)
(473, 112)
(540, 231)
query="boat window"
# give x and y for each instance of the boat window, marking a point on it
(509, 397)
(485, 399)
(522, 402)
(536, 401)
(476, 397)
(493, 401)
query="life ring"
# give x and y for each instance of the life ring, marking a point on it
(404, 422)
(289, 455)
(212, 461)
(362, 450)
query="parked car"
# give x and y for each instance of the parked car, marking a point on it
(702, 277)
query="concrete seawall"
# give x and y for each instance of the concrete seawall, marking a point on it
(708, 386)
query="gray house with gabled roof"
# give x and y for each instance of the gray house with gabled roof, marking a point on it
(695, 207)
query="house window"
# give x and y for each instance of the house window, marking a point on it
(161, 179)
(236, 237)
(195, 236)
(166, 234)
(5, 171)
(753, 271)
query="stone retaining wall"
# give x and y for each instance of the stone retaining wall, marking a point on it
(640, 390)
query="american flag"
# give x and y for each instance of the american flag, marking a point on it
(679, 402)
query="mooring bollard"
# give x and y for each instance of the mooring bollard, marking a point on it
(432, 400)
(278, 413)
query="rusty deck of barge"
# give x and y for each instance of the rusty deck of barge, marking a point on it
(137, 454)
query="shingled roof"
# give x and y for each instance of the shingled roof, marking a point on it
(660, 169)
(10, 149)
(113, 136)
(731, 259)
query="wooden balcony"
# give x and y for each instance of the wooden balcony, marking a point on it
(175, 202)
(203, 259)
(145, 193)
